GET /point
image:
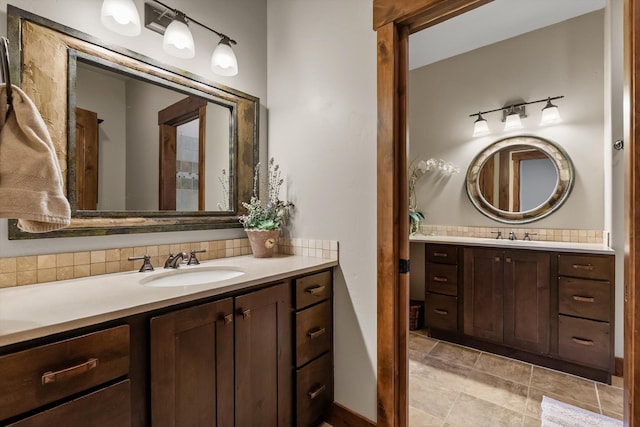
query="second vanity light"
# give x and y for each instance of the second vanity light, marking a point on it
(121, 16)
(511, 115)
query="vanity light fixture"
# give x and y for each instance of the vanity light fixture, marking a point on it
(513, 113)
(121, 16)
(480, 126)
(178, 40)
(512, 119)
(550, 114)
(223, 60)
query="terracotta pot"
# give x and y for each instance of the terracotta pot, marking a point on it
(263, 242)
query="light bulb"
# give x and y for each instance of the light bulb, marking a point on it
(223, 60)
(512, 122)
(550, 114)
(177, 40)
(480, 126)
(121, 16)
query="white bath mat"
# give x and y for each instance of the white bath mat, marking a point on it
(560, 414)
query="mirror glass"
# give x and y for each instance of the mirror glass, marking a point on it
(118, 167)
(519, 179)
(142, 146)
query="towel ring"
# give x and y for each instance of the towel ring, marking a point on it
(6, 74)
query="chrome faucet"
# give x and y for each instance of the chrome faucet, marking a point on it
(512, 236)
(175, 261)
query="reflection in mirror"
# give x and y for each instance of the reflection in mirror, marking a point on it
(153, 148)
(519, 179)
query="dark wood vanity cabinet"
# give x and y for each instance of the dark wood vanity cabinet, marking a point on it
(79, 381)
(224, 363)
(313, 348)
(545, 307)
(507, 297)
(441, 287)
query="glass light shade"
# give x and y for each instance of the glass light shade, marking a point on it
(512, 122)
(177, 40)
(550, 115)
(223, 60)
(480, 127)
(121, 16)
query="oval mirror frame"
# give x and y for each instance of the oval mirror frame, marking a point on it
(564, 184)
(33, 37)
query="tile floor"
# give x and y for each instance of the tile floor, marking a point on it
(451, 385)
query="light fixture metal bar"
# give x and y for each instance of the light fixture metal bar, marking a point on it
(190, 19)
(519, 104)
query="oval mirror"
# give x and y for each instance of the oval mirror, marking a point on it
(519, 179)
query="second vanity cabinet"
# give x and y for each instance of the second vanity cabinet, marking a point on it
(551, 308)
(506, 297)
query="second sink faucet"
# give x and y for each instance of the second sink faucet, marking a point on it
(175, 261)
(512, 236)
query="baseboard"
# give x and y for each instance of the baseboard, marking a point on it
(618, 367)
(340, 416)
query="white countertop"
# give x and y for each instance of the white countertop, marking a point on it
(516, 244)
(34, 311)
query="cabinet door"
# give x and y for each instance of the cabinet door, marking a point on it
(526, 300)
(483, 293)
(263, 358)
(192, 366)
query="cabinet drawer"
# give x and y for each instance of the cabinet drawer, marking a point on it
(585, 298)
(109, 407)
(312, 289)
(314, 391)
(441, 311)
(585, 341)
(34, 377)
(586, 266)
(442, 279)
(313, 332)
(442, 254)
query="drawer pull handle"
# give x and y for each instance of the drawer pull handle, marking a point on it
(581, 341)
(587, 267)
(315, 393)
(65, 374)
(228, 318)
(315, 290)
(316, 333)
(440, 254)
(440, 279)
(584, 299)
(440, 312)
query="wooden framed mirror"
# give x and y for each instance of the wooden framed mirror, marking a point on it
(134, 176)
(519, 179)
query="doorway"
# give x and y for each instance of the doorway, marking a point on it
(394, 20)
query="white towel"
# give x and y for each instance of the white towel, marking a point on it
(30, 179)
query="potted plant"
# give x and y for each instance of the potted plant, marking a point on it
(263, 221)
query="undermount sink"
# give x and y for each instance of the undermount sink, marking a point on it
(191, 276)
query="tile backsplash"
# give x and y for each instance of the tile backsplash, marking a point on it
(26, 270)
(543, 234)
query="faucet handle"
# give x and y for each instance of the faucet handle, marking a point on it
(146, 265)
(527, 235)
(498, 234)
(192, 257)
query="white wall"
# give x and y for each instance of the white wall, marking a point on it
(106, 96)
(562, 59)
(322, 131)
(244, 20)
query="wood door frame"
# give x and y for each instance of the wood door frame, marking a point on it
(394, 20)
